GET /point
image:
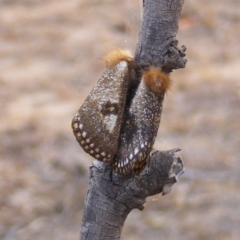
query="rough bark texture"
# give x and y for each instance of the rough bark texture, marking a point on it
(157, 44)
(111, 197)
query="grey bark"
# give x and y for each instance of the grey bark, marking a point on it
(157, 44)
(111, 197)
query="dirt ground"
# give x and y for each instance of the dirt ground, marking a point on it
(50, 58)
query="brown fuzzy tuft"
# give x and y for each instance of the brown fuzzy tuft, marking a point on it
(116, 56)
(157, 80)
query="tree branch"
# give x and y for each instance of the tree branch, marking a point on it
(157, 44)
(111, 196)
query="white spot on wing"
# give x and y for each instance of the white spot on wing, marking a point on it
(122, 65)
(80, 125)
(84, 134)
(136, 151)
(110, 122)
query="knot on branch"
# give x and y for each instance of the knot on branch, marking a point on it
(161, 172)
(174, 57)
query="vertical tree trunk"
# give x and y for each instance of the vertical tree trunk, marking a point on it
(157, 37)
(111, 197)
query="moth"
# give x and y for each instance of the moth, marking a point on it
(97, 123)
(141, 122)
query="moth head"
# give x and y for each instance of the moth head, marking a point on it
(116, 56)
(157, 80)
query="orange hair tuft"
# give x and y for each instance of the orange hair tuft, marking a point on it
(157, 80)
(116, 56)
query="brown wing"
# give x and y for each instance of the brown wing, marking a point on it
(141, 123)
(96, 125)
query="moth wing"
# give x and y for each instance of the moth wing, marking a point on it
(96, 125)
(139, 130)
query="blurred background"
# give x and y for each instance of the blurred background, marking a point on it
(50, 58)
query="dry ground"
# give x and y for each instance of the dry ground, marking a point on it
(50, 57)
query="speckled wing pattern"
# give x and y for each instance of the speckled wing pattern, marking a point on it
(97, 124)
(139, 130)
